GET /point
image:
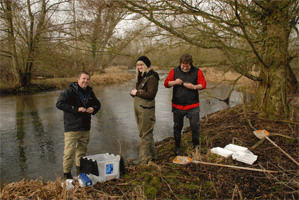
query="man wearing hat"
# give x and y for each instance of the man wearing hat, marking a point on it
(144, 107)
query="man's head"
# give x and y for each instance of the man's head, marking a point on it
(83, 79)
(186, 62)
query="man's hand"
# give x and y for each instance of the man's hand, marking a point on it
(81, 109)
(89, 110)
(176, 82)
(190, 86)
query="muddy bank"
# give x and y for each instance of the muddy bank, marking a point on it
(162, 179)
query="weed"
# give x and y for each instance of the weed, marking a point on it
(150, 191)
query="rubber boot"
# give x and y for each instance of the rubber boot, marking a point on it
(67, 175)
(178, 151)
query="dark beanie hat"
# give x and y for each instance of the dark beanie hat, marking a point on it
(145, 60)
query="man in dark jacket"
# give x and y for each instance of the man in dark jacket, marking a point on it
(186, 81)
(78, 103)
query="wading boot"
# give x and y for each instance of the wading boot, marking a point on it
(67, 175)
(178, 151)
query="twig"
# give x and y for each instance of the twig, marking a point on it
(119, 146)
(237, 190)
(242, 142)
(257, 144)
(248, 120)
(124, 194)
(281, 135)
(213, 186)
(236, 167)
(130, 181)
(278, 181)
(169, 187)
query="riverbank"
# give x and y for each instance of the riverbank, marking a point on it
(118, 74)
(108, 76)
(229, 77)
(162, 179)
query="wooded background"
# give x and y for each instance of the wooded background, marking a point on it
(58, 38)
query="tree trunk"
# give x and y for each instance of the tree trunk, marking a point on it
(271, 97)
(25, 79)
(12, 41)
(292, 82)
(272, 93)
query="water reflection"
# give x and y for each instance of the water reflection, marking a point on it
(27, 111)
(32, 133)
(27, 143)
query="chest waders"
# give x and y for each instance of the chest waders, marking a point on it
(145, 118)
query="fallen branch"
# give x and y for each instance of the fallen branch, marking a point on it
(257, 144)
(271, 135)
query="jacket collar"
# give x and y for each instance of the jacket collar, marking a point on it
(76, 87)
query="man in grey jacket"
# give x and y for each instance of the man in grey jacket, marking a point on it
(78, 103)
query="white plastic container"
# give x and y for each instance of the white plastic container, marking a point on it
(245, 157)
(221, 151)
(235, 148)
(103, 167)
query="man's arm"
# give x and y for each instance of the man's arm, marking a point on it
(62, 105)
(169, 81)
(201, 82)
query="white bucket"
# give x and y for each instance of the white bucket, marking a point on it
(104, 167)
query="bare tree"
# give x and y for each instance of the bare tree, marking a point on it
(24, 24)
(96, 24)
(246, 32)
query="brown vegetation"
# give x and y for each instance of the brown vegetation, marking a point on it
(108, 76)
(163, 179)
(213, 74)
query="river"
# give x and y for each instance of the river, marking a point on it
(32, 137)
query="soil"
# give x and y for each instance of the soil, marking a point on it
(163, 179)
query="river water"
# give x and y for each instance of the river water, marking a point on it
(32, 137)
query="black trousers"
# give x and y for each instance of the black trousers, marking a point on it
(178, 119)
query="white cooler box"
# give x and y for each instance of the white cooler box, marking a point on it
(104, 167)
